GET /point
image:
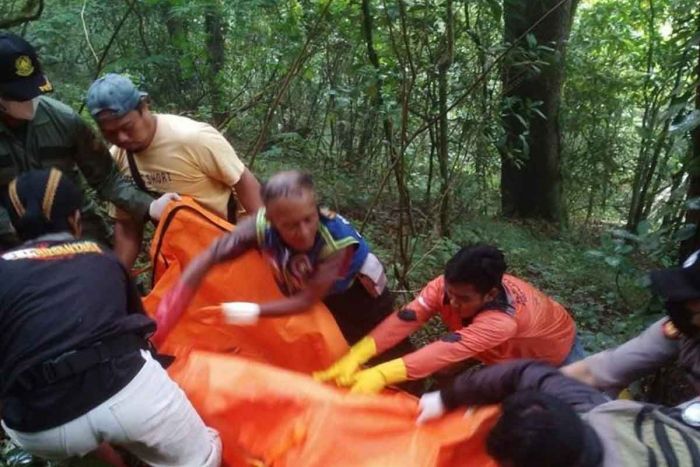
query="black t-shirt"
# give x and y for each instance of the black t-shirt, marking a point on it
(56, 295)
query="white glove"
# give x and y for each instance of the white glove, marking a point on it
(155, 210)
(430, 406)
(241, 312)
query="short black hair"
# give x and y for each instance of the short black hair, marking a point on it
(285, 184)
(480, 265)
(537, 430)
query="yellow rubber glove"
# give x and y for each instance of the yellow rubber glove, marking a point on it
(374, 379)
(343, 370)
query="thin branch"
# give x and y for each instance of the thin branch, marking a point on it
(102, 59)
(373, 204)
(293, 70)
(100, 63)
(487, 71)
(252, 102)
(87, 35)
(422, 258)
(133, 5)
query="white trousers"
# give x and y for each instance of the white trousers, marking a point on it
(150, 417)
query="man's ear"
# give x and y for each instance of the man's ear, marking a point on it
(144, 104)
(491, 294)
(76, 224)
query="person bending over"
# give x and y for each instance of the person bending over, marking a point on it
(492, 317)
(166, 153)
(550, 420)
(76, 366)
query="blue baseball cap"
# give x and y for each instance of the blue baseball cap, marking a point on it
(113, 93)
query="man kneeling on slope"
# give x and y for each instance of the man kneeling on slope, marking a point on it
(76, 367)
(493, 317)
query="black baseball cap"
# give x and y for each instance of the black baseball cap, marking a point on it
(21, 77)
(679, 284)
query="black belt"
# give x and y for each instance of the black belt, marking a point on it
(78, 361)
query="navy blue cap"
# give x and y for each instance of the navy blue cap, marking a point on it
(113, 93)
(21, 77)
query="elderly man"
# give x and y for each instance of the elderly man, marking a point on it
(315, 254)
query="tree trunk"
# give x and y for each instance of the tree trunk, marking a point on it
(177, 35)
(693, 215)
(531, 187)
(215, 41)
(443, 65)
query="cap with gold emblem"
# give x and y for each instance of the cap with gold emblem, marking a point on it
(21, 77)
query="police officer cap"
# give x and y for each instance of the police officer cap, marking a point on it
(21, 77)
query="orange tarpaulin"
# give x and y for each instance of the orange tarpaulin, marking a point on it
(271, 416)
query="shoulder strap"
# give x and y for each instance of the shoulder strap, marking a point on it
(135, 174)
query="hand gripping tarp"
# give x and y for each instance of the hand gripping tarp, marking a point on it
(269, 416)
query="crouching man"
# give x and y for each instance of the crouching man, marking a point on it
(492, 316)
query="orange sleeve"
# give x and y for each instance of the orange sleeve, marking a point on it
(489, 329)
(406, 320)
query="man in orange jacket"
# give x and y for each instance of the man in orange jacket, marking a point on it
(492, 316)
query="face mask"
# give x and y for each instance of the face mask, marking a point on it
(682, 319)
(20, 110)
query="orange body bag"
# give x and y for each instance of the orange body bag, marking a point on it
(239, 379)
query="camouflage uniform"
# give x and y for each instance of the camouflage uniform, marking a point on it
(58, 137)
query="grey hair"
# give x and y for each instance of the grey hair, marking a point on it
(286, 184)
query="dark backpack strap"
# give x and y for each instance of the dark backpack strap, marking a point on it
(136, 175)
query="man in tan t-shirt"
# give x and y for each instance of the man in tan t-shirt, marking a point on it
(169, 153)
